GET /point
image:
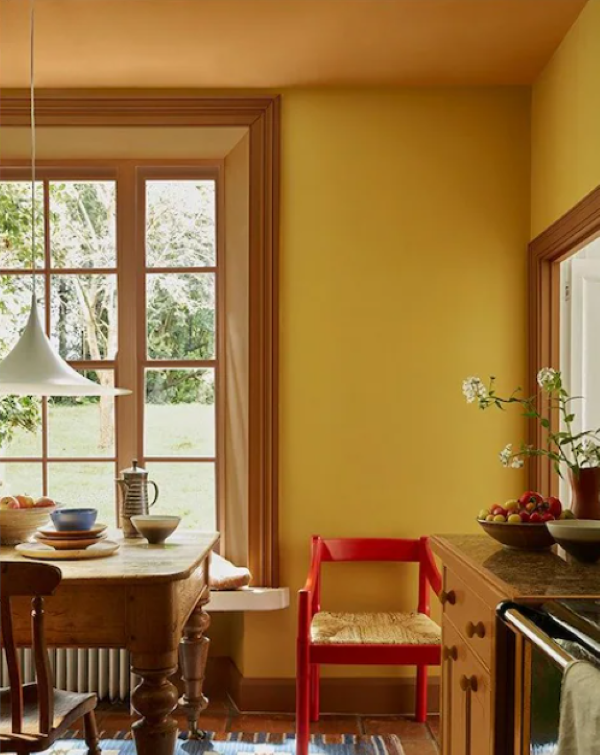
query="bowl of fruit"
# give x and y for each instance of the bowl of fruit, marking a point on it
(21, 516)
(522, 523)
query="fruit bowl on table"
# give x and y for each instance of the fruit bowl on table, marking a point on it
(579, 537)
(525, 536)
(18, 524)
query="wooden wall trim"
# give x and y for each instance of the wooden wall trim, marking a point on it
(558, 242)
(261, 115)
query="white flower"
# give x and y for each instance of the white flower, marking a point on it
(505, 455)
(590, 451)
(517, 463)
(473, 389)
(546, 377)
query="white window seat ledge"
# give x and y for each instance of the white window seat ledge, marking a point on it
(249, 599)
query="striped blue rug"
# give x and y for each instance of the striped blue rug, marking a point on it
(232, 743)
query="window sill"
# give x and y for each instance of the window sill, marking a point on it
(249, 599)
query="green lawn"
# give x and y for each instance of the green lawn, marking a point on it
(186, 489)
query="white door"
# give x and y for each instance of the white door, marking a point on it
(580, 341)
(585, 342)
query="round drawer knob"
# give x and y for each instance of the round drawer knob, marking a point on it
(475, 630)
(468, 683)
(448, 597)
(450, 653)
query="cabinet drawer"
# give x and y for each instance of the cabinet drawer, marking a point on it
(466, 698)
(470, 615)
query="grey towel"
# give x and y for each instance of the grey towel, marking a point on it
(580, 710)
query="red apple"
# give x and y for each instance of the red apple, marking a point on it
(554, 506)
(524, 516)
(9, 502)
(530, 497)
(535, 518)
(548, 517)
(25, 501)
(44, 502)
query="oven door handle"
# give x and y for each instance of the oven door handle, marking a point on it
(522, 625)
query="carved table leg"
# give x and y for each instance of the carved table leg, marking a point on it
(193, 654)
(154, 699)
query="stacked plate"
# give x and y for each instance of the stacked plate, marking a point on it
(68, 540)
(51, 544)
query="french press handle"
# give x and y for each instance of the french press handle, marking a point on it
(155, 486)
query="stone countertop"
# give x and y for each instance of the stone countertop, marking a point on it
(520, 574)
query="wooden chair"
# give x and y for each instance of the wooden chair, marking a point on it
(34, 716)
(376, 638)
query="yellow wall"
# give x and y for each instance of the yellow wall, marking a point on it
(403, 269)
(566, 123)
(405, 218)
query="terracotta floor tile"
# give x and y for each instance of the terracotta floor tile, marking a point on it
(403, 726)
(334, 724)
(420, 747)
(276, 723)
(434, 727)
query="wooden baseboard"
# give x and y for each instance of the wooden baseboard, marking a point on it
(371, 696)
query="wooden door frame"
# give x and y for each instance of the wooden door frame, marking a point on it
(189, 108)
(561, 240)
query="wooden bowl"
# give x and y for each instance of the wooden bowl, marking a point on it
(525, 537)
(579, 537)
(18, 525)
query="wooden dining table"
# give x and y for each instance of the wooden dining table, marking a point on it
(150, 600)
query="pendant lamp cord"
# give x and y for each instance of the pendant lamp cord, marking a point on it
(32, 102)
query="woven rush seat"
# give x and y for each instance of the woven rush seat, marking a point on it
(374, 629)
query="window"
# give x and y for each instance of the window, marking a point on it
(142, 313)
(248, 488)
(71, 455)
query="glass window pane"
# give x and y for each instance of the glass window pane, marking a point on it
(15, 305)
(15, 224)
(21, 478)
(84, 316)
(186, 490)
(20, 426)
(83, 224)
(180, 223)
(181, 315)
(180, 413)
(85, 484)
(83, 426)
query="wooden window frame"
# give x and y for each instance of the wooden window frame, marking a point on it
(564, 238)
(261, 116)
(18, 170)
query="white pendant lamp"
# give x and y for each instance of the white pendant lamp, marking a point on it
(33, 367)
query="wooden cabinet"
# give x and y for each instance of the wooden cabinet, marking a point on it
(466, 694)
(468, 664)
(479, 682)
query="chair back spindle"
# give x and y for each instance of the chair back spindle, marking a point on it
(34, 581)
(12, 663)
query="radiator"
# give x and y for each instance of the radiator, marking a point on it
(105, 672)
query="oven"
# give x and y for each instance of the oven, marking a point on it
(540, 643)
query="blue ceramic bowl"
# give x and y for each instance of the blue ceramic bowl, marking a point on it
(72, 520)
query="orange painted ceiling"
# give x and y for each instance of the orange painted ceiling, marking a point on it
(281, 43)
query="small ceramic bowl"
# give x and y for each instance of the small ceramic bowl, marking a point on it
(74, 519)
(155, 527)
(525, 537)
(579, 537)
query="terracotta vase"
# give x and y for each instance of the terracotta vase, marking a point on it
(585, 493)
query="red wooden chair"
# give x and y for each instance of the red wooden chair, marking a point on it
(363, 638)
